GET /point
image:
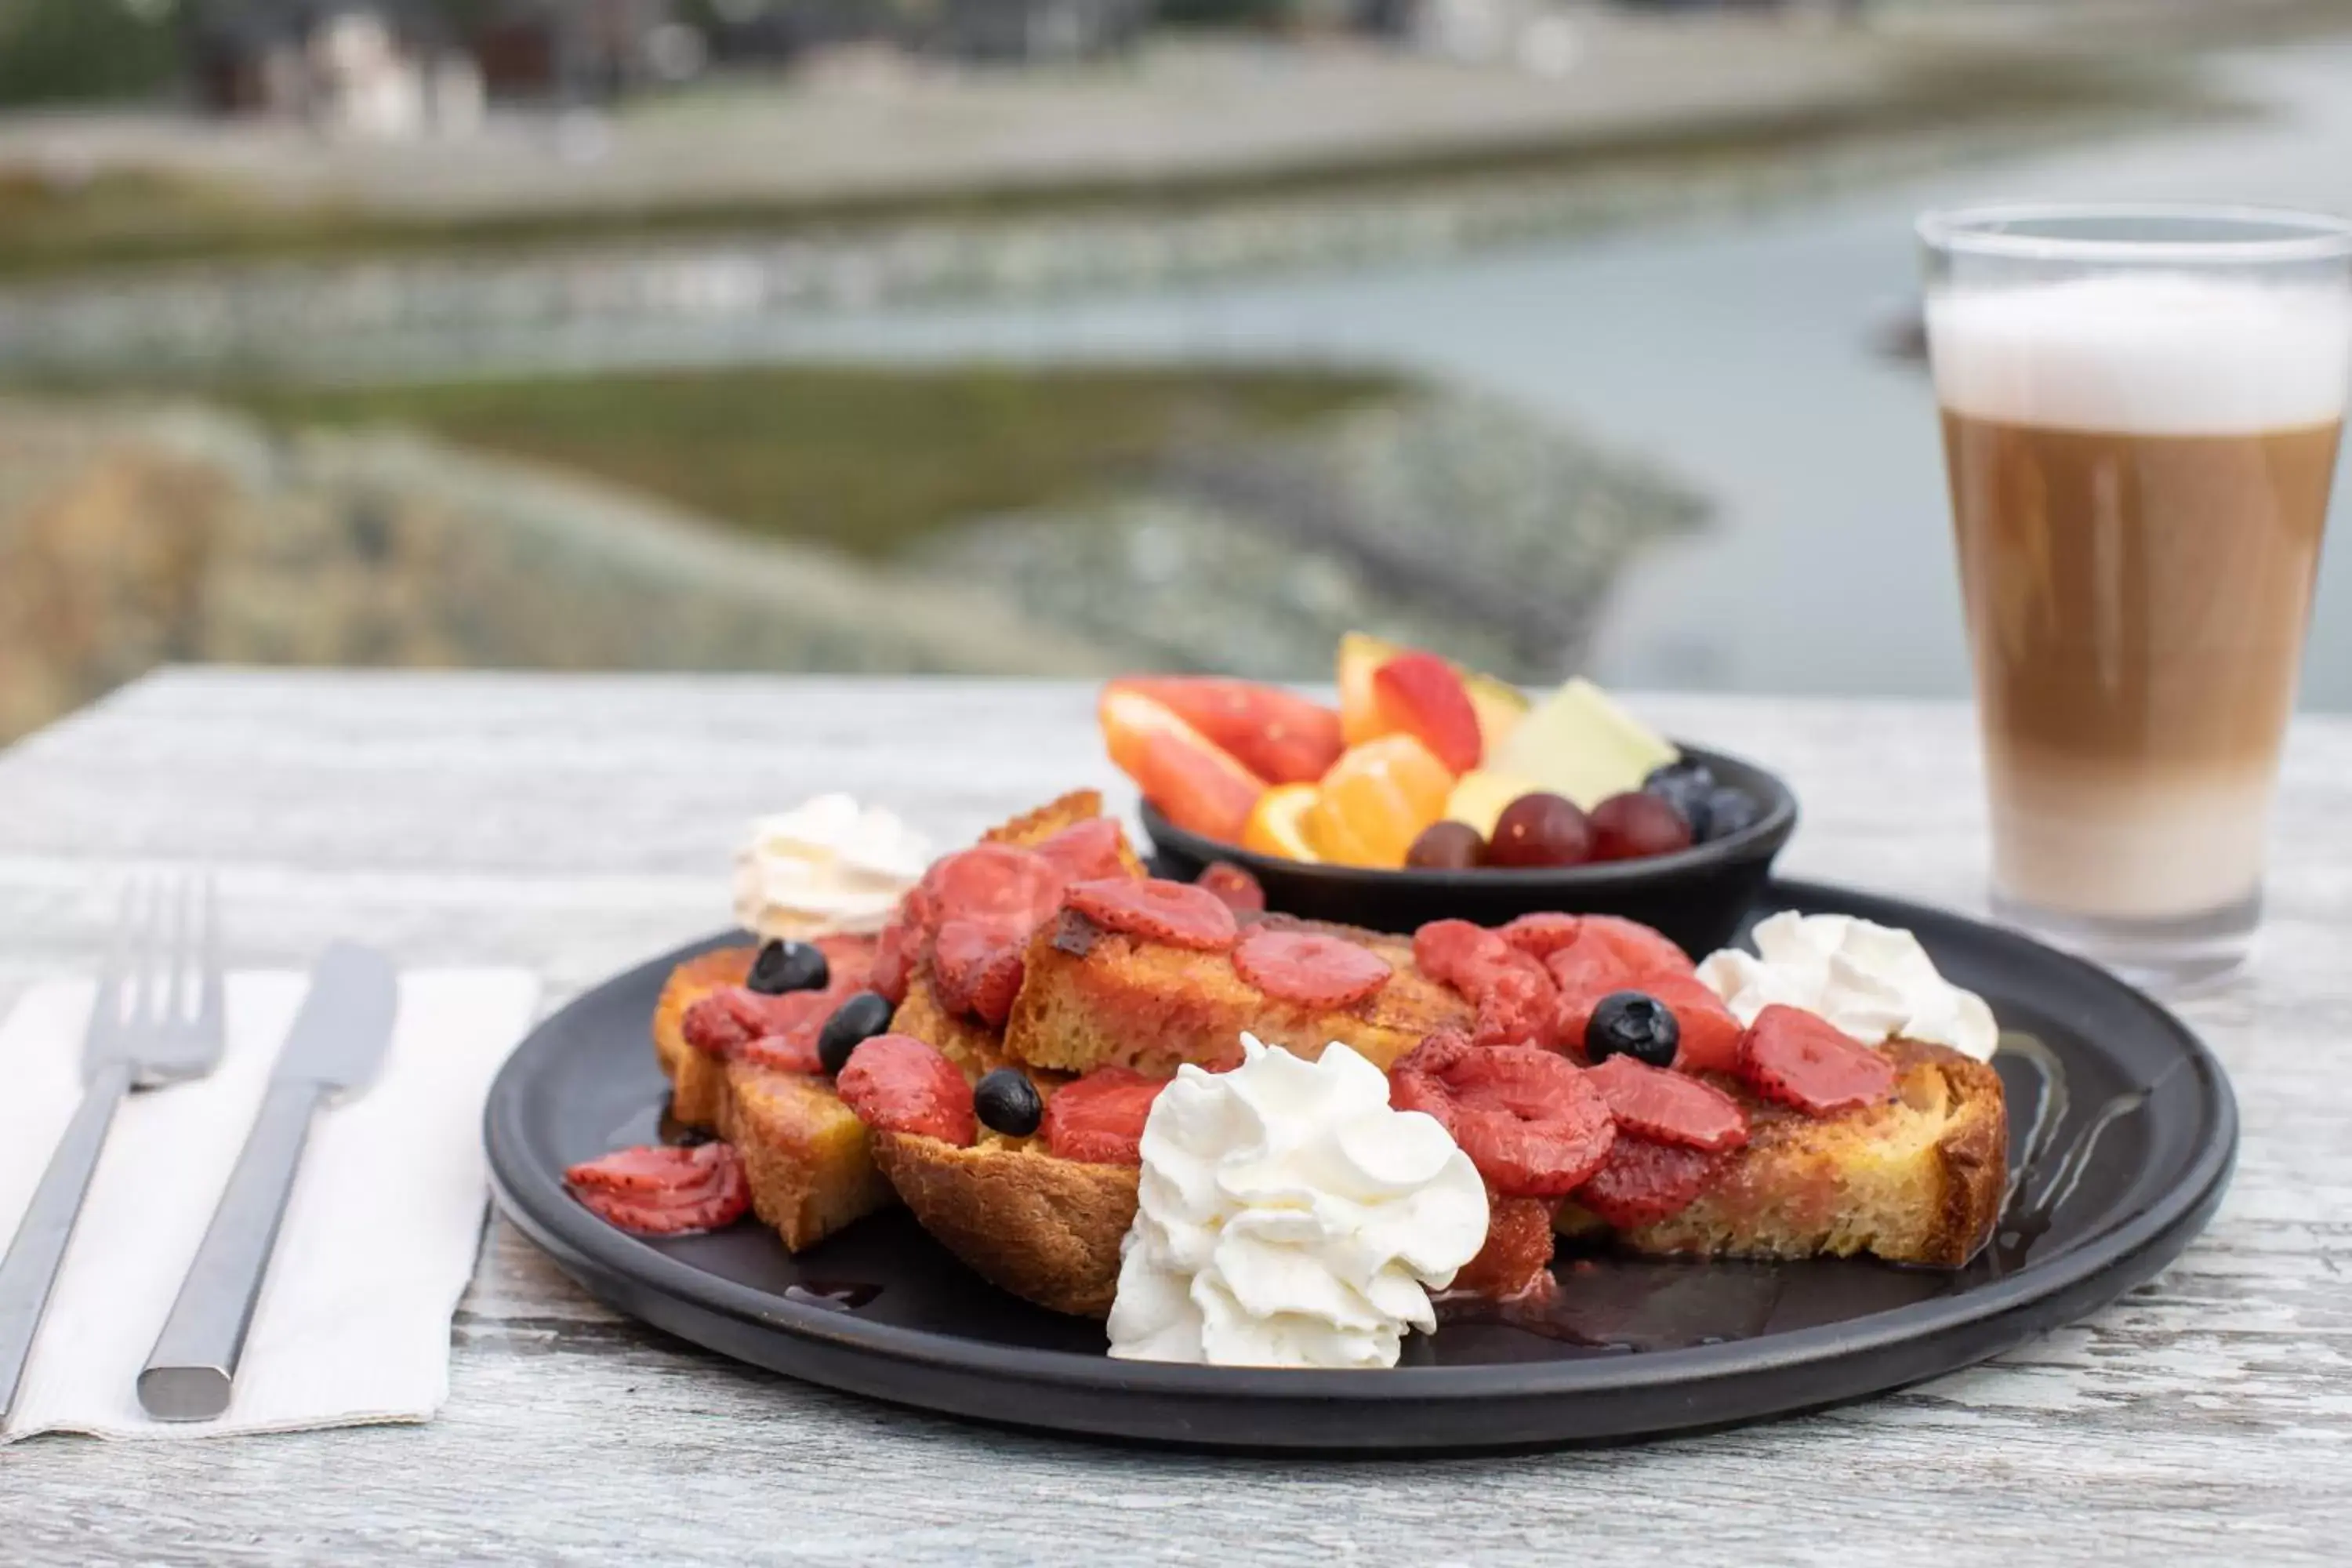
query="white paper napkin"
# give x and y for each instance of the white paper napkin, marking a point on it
(379, 1240)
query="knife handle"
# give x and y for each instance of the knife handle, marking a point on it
(187, 1378)
(30, 1270)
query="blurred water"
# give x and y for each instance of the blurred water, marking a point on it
(1739, 351)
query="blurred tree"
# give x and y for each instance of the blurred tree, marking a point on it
(66, 51)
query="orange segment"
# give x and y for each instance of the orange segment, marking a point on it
(1196, 785)
(1278, 825)
(1359, 706)
(1376, 800)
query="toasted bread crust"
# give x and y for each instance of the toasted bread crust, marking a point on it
(697, 1082)
(1095, 997)
(808, 1157)
(1046, 1229)
(1917, 1181)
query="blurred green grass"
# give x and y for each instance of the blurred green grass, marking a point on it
(865, 459)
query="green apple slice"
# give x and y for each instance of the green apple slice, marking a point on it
(1577, 743)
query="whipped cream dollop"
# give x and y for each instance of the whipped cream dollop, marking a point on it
(1875, 981)
(1288, 1217)
(827, 865)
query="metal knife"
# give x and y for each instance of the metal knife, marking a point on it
(337, 1044)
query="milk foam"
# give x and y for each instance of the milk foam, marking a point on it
(2144, 355)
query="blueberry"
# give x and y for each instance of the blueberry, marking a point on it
(784, 966)
(1633, 1023)
(1008, 1102)
(1728, 811)
(1686, 785)
(859, 1020)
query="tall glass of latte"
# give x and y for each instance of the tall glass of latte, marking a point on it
(2141, 408)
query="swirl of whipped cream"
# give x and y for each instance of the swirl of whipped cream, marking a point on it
(1875, 981)
(828, 864)
(1290, 1217)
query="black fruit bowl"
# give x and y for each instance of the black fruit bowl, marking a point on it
(1696, 896)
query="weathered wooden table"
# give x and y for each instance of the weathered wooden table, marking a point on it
(577, 825)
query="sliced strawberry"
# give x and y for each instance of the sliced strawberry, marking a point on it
(1803, 1059)
(1643, 1182)
(996, 884)
(1669, 1106)
(1441, 947)
(1541, 935)
(1278, 735)
(662, 1191)
(1196, 783)
(1099, 1120)
(1088, 850)
(1515, 1006)
(1423, 696)
(1309, 969)
(795, 1052)
(897, 1083)
(1234, 885)
(978, 969)
(1516, 999)
(1517, 1258)
(897, 951)
(1525, 1116)
(1710, 1033)
(849, 962)
(1608, 947)
(1158, 911)
(727, 1020)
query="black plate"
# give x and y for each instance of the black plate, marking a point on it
(2130, 1170)
(1698, 896)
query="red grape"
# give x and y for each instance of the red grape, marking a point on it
(1629, 826)
(1540, 830)
(1447, 847)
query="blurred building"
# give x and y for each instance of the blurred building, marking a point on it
(774, 31)
(582, 50)
(383, 68)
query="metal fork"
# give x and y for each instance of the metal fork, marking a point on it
(157, 1020)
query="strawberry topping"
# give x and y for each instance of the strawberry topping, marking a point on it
(1710, 1032)
(1087, 850)
(978, 969)
(1643, 1182)
(1526, 1118)
(897, 1083)
(1517, 1258)
(1516, 1004)
(1803, 1059)
(1099, 1120)
(1668, 1107)
(1158, 911)
(1309, 968)
(995, 884)
(897, 951)
(1541, 935)
(660, 1191)
(1610, 948)
(1234, 885)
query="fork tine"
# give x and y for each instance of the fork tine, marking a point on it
(213, 1002)
(106, 1009)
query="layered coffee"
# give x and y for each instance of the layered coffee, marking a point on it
(2139, 469)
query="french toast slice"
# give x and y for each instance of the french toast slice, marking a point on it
(1046, 1228)
(809, 1158)
(1917, 1180)
(1095, 997)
